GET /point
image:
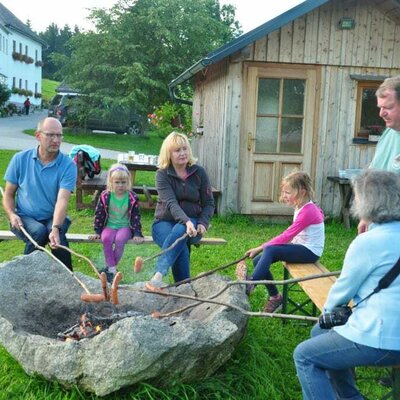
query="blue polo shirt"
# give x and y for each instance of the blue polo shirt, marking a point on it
(38, 184)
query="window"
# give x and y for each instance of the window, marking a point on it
(367, 113)
(280, 109)
(20, 48)
(26, 50)
(14, 46)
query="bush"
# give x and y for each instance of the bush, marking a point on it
(5, 94)
(172, 117)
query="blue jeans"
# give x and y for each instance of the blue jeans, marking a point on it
(325, 364)
(40, 231)
(294, 253)
(164, 234)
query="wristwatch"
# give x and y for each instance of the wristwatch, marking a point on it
(57, 227)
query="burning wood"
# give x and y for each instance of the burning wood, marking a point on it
(91, 325)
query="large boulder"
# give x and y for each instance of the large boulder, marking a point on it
(39, 299)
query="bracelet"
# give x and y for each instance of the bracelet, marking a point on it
(57, 227)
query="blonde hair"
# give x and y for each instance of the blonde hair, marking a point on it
(118, 171)
(173, 141)
(299, 180)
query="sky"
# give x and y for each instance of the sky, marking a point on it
(42, 13)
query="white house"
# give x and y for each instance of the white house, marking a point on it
(20, 59)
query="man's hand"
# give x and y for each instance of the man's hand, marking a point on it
(16, 221)
(54, 237)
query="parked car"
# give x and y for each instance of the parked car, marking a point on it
(117, 119)
(60, 104)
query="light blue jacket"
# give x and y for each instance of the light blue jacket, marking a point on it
(376, 321)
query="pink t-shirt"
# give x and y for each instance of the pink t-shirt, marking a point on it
(307, 229)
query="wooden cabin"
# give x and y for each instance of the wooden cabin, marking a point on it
(296, 92)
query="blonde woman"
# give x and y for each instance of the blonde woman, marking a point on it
(185, 205)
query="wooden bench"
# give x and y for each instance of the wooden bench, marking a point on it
(84, 238)
(317, 291)
(96, 185)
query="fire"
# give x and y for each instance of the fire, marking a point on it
(85, 329)
(91, 325)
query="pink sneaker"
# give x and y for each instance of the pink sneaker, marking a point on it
(273, 304)
(241, 271)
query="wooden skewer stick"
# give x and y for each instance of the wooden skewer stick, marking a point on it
(55, 259)
(102, 276)
(206, 273)
(220, 303)
(139, 260)
(228, 284)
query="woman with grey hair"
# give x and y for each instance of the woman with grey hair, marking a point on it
(371, 335)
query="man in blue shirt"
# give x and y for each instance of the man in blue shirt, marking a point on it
(39, 183)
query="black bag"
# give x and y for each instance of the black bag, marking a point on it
(91, 167)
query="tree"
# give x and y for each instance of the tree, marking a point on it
(5, 93)
(56, 40)
(140, 46)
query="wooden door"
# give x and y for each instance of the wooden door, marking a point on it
(280, 106)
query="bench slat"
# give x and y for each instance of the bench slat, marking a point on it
(316, 289)
(84, 238)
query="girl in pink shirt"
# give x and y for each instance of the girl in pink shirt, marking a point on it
(302, 242)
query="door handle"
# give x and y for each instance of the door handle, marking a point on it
(250, 141)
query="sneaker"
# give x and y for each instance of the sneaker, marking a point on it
(109, 275)
(241, 275)
(241, 271)
(385, 381)
(273, 304)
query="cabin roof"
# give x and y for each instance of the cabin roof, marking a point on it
(391, 8)
(247, 38)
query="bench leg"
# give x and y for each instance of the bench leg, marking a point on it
(285, 291)
(396, 383)
(395, 392)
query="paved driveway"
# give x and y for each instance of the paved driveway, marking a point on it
(13, 138)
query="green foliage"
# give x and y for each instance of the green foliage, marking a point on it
(5, 93)
(139, 46)
(56, 39)
(172, 117)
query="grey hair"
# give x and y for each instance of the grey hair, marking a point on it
(392, 83)
(376, 196)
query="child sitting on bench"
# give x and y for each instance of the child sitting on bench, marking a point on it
(302, 242)
(117, 217)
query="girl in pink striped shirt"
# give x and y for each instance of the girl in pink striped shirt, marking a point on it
(301, 242)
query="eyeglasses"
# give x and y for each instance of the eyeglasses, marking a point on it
(52, 136)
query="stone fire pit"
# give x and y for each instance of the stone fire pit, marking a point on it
(39, 299)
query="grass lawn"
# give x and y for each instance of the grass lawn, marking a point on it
(261, 367)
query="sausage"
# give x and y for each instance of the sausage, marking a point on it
(138, 264)
(114, 288)
(103, 279)
(92, 298)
